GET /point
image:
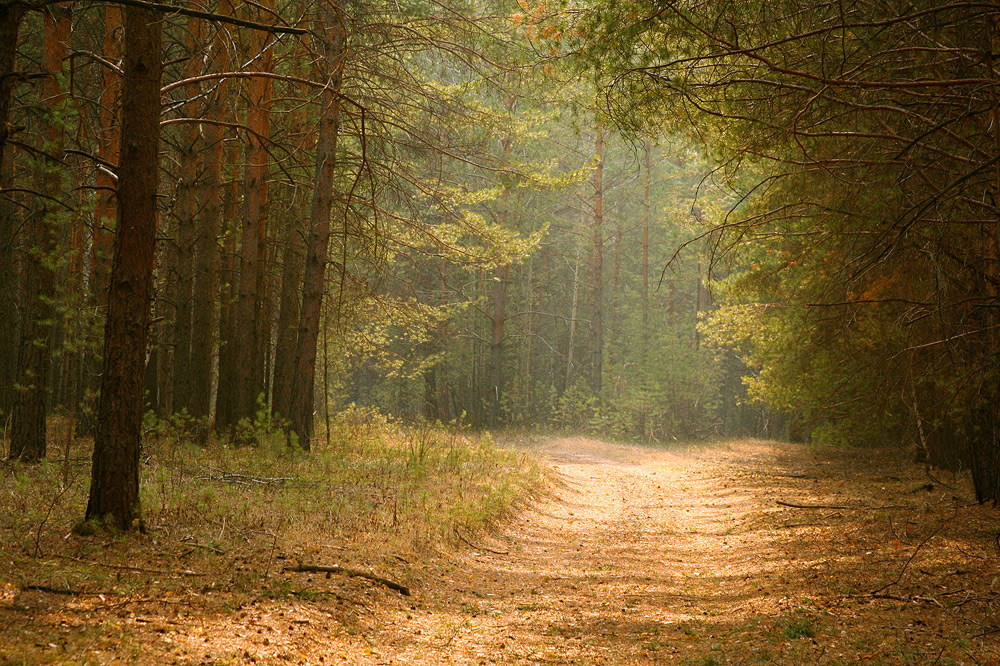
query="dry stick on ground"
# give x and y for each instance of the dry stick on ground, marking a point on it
(795, 505)
(125, 567)
(343, 571)
(902, 571)
(477, 547)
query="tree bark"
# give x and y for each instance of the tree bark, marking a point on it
(189, 148)
(10, 27)
(330, 30)
(288, 320)
(206, 278)
(114, 486)
(28, 431)
(250, 328)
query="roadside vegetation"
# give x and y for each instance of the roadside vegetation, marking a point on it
(223, 523)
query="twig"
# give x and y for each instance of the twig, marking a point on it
(796, 505)
(343, 571)
(914, 554)
(125, 567)
(52, 590)
(202, 545)
(812, 506)
(477, 547)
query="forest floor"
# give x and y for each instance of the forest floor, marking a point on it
(737, 553)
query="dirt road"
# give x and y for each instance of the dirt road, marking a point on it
(685, 556)
(735, 553)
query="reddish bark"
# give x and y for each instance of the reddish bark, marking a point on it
(251, 330)
(114, 487)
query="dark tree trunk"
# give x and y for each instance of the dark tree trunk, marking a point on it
(189, 147)
(288, 320)
(330, 30)
(206, 278)
(28, 431)
(10, 25)
(225, 409)
(114, 486)
(9, 311)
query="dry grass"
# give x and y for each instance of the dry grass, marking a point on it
(223, 522)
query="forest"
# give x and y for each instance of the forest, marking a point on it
(653, 222)
(338, 246)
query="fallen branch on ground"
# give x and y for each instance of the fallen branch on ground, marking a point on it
(796, 505)
(812, 506)
(124, 567)
(344, 571)
(477, 547)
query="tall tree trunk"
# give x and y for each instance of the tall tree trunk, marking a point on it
(189, 149)
(597, 266)
(330, 30)
(288, 321)
(206, 278)
(251, 329)
(645, 249)
(114, 485)
(28, 431)
(225, 406)
(102, 224)
(644, 352)
(9, 310)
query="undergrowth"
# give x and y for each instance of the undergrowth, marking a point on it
(370, 486)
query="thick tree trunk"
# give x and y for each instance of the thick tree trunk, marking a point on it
(114, 486)
(330, 31)
(28, 431)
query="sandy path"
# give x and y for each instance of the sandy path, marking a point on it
(648, 556)
(632, 546)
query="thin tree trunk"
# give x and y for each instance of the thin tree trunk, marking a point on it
(597, 267)
(500, 284)
(114, 486)
(570, 343)
(28, 431)
(330, 31)
(225, 408)
(9, 310)
(288, 321)
(645, 251)
(250, 329)
(206, 278)
(189, 147)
